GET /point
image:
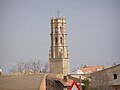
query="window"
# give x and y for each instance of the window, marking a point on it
(60, 28)
(55, 29)
(60, 39)
(56, 40)
(115, 76)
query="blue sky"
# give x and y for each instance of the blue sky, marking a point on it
(93, 28)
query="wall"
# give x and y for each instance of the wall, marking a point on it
(105, 79)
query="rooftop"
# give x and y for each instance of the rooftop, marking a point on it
(21, 82)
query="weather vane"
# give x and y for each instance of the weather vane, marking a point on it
(58, 12)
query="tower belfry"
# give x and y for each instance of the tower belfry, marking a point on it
(58, 54)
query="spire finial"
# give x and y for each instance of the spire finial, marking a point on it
(58, 12)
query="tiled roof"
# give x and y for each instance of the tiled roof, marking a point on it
(91, 69)
(68, 83)
(61, 80)
(21, 82)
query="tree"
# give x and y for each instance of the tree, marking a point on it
(19, 67)
(46, 67)
(86, 83)
(36, 66)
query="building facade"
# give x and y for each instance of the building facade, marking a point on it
(58, 54)
(106, 79)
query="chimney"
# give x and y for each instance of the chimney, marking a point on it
(66, 78)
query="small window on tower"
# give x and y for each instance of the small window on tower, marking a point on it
(55, 29)
(62, 24)
(56, 40)
(61, 29)
(60, 39)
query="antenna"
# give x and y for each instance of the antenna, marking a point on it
(58, 12)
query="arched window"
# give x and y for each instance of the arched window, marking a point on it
(56, 29)
(60, 29)
(60, 39)
(56, 40)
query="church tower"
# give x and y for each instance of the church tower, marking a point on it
(58, 54)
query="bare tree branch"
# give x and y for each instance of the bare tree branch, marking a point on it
(46, 67)
(36, 66)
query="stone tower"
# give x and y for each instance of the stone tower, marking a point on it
(58, 54)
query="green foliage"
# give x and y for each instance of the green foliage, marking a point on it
(86, 85)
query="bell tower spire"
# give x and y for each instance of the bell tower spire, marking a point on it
(58, 54)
